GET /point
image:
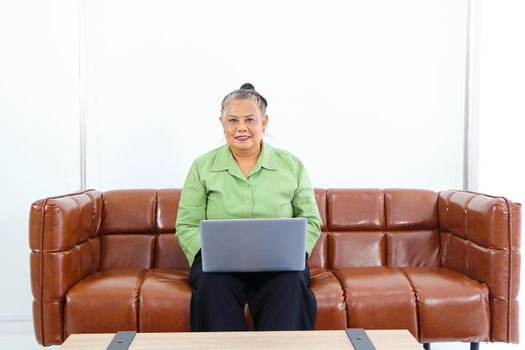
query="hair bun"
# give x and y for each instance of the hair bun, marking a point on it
(247, 86)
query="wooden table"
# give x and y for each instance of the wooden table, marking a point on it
(300, 340)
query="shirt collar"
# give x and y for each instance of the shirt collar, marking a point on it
(267, 157)
(225, 161)
(222, 159)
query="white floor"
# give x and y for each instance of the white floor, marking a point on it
(19, 335)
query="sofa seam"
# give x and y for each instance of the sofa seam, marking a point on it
(93, 229)
(469, 241)
(157, 232)
(386, 247)
(329, 264)
(93, 216)
(345, 298)
(510, 229)
(385, 226)
(155, 227)
(449, 231)
(79, 274)
(416, 300)
(41, 273)
(326, 229)
(328, 212)
(100, 236)
(439, 228)
(76, 247)
(139, 297)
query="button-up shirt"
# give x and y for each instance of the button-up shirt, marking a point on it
(215, 188)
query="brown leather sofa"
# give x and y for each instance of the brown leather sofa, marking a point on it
(445, 265)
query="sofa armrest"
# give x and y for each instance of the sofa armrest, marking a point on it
(65, 248)
(480, 237)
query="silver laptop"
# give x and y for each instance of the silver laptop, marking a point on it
(253, 245)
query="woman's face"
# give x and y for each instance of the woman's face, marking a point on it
(243, 126)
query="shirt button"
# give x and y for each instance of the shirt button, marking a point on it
(248, 201)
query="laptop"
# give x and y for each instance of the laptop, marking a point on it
(253, 245)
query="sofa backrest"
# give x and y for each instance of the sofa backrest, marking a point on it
(393, 227)
(138, 230)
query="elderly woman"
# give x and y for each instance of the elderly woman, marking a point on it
(247, 178)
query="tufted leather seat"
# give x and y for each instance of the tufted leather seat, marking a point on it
(443, 265)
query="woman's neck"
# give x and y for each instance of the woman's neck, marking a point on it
(247, 156)
(246, 160)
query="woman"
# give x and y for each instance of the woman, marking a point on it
(247, 178)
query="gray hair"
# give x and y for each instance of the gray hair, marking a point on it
(245, 92)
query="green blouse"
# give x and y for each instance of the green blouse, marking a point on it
(215, 188)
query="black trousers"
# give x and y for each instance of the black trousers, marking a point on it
(277, 300)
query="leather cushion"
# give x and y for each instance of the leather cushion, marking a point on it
(355, 209)
(450, 305)
(378, 298)
(331, 306)
(413, 248)
(165, 301)
(452, 212)
(127, 251)
(168, 253)
(129, 211)
(411, 209)
(356, 249)
(104, 302)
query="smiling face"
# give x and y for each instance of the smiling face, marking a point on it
(243, 126)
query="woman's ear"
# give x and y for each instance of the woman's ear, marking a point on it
(265, 122)
(220, 120)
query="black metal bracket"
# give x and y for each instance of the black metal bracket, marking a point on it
(359, 339)
(122, 340)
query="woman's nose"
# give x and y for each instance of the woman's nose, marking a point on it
(241, 126)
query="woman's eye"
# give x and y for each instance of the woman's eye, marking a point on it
(250, 120)
(231, 121)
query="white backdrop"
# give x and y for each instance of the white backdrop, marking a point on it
(502, 111)
(39, 129)
(366, 93)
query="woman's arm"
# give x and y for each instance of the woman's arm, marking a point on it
(192, 209)
(304, 205)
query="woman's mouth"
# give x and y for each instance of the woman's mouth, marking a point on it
(242, 138)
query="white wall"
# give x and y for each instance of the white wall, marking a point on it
(366, 93)
(502, 108)
(502, 97)
(39, 133)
